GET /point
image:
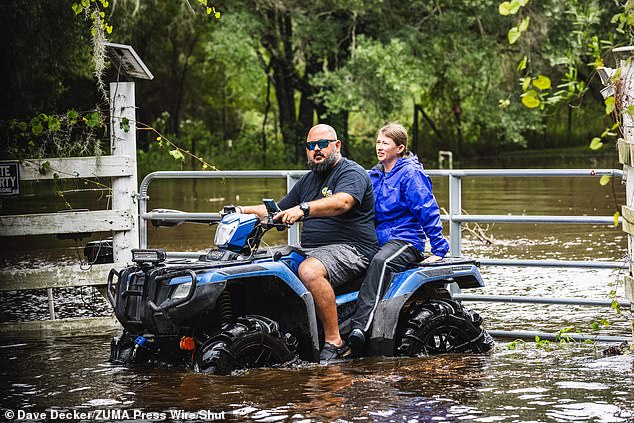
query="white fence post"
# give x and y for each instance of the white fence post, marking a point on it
(293, 232)
(623, 91)
(123, 142)
(455, 210)
(445, 155)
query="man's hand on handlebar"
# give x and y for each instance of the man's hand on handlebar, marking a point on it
(269, 223)
(229, 209)
(289, 216)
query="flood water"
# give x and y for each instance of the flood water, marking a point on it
(532, 382)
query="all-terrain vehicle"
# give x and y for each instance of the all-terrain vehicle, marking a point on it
(239, 306)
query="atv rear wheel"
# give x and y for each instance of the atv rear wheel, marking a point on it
(250, 342)
(441, 326)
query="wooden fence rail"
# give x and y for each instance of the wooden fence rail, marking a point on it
(121, 221)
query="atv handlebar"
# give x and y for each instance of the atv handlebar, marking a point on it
(268, 223)
(170, 218)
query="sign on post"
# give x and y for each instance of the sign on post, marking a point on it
(9, 179)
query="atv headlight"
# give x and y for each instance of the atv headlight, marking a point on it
(224, 232)
(182, 290)
(148, 256)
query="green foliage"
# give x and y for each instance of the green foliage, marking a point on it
(95, 10)
(47, 69)
(531, 99)
(177, 154)
(69, 134)
(44, 168)
(580, 29)
(125, 124)
(209, 9)
(251, 83)
(511, 7)
(93, 119)
(596, 143)
(369, 83)
(516, 344)
(542, 82)
(600, 324)
(609, 105)
(542, 344)
(562, 336)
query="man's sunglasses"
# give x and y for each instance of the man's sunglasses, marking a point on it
(319, 143)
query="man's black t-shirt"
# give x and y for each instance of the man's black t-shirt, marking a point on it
(356, 226)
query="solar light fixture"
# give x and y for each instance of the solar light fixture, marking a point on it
(124, 58)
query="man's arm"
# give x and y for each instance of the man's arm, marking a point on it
(334, 205)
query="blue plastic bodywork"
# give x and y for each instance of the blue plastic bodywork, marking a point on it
(284, 269)
(412, 279)
(246, 223)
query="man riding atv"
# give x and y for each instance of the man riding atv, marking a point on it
(239, 306)
(336, 202)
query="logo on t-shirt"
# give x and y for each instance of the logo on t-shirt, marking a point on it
(326, 192)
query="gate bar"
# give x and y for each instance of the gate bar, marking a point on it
(291, 176)
(512, 334)
(574, 220)
(555, 263)
(540, 300)
(460, 173)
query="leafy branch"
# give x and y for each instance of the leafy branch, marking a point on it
(585, 48)
(209, 9)
(175, 151)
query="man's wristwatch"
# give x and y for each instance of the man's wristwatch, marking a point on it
(305, 207)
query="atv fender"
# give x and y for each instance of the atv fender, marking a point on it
(465, 275)
(307, 297)
(384, 325)
(212, 283)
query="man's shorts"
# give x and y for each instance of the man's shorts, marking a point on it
(342, 262)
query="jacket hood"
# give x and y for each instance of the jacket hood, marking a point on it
(408, 159)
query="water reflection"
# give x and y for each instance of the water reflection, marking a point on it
(567, 384)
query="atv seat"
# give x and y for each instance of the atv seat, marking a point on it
(355, 284)
(448, 260)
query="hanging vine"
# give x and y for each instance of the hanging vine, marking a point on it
(94, 10)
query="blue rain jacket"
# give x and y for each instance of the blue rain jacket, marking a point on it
(405, 207)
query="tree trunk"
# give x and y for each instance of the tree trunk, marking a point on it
(339, 121)
(457, 112)
(180, 87)
(305, 122)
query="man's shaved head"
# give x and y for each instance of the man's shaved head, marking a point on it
(319, 130)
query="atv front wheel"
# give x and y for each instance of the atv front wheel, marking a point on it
(250, 342)
(122, 349)
(441, 326)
